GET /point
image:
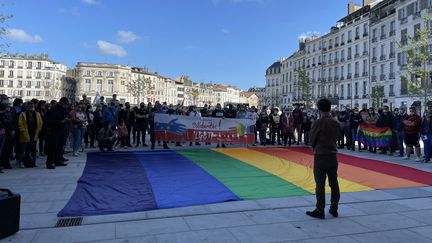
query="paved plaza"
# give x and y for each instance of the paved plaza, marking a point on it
(397, 215)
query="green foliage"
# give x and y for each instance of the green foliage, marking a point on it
(305, 87)
(418, 51)
(377, 95)
(3, 28)
(138, 88)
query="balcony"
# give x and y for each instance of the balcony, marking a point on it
(383, 37)
(374, 59)
(324, 63)
(336, 61)
(308, 66)
(404, 42)
(342, 78)
(373, 78)
(404, 21)
(336, 78)
(357, 37)
(38, 87)
(392, 55)
(374, 40)
(330, 79)
(324, 49)
(28, 86)
(356, 96)
(392, 33)
(356, 75)
(349, 57)
(365, 34)
(392, 75)
(330, 47)
(330, 62)
(391, 94)
(336, 44)
(382, 77)
(342, 59)
(357, 55)
(342, 97)
(365, 53)
(11, 66)
(319, 64)
(349, 76)
(349, 41)
(348, 97)
(10, 76)
(342, 43)
(382, 58)
(313, 65)
(10, 85)
(365, 74)
(39, 67)
(364, 96)
(417, 15)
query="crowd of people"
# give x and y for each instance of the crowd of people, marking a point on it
(39, 128)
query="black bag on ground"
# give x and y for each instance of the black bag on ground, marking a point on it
(10, 204)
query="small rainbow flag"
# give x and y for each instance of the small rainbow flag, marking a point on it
(373, 136)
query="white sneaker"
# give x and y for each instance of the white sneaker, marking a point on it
(418, 159)
(406, 158)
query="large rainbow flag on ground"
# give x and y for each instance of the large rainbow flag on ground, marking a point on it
(373, 136)
(138, 181)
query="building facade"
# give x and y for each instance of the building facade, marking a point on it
(31, 77)
(359, 62)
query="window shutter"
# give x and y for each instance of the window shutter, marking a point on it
(399, 59)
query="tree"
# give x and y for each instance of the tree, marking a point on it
(305, 87)
(377, 95)
(3, 28)
(418, 52)
(194, 93)
(138, 88)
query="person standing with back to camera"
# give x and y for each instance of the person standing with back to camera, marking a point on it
(323, 138)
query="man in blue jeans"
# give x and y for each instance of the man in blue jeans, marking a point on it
(426, 131)
(399, 129)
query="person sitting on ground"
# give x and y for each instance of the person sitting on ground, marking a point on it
(122, 133)
(107, 137)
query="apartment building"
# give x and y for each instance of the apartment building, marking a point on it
(273, 78)
(359, 56)
(34, 76)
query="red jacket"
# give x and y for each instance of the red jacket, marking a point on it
(412, 124)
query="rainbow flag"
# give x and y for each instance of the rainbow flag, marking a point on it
(126, 182)
(370, 135)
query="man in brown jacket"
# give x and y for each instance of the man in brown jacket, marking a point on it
(323, 137)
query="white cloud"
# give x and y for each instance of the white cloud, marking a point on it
(225, 31)
(111, 49)
(89, 2)
(127, 36)
(22, 36)
(308, 34)
(74, 11)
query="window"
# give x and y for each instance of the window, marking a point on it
(342, 38)
(337, 40)
(382, 67)
(349, 90)
(357, 32)
(10, 83)
(20, 83)
(336, 71)
(383, 31)
(349, 35)
(365, 29)
(20, 63)
(342, 71)
(374, 33)
(343, 54)
(356, 87)
(28, 84)
(39, 65)
(392, 27)
(111, 74)
(349, 68)
(392, 47)
(28, 93)
(20, 73)
(417, 31)
(349, 53)
(391, 67)
(87, 85)
(382, 50)
(342, 90)
(391, 89)
(357, 50)
(373, 70)
(357, 68)
(99, 73)
(29, 65)
(110, 86)
(11, 74)
(38, 75)
(99, 85)
(88, 73)
(365, 66)
(374, 52)
(365, 47)
(11, 64)
(364, 88)
(38, 84)
(2, 63)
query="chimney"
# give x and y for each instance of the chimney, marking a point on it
(314, 37)
(367, 2)
(352, 7)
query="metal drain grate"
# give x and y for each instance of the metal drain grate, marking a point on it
(67, 222)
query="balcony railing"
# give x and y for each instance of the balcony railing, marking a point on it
(383, 37)
(392, 55)
(349, 57)
(382, 58)
(330, 79)
(330, 47)
(336, 44)
(392, 32)
(365, 53)
(342, 78)
(374, 78)
(342, 59)
(382, 77)
(365, 34)
(349, 41)
(391, 94)
(356, 96)
(392, 75)
(324, 49)
(404, 21)
(374, 59)
(336, 61)
(349, 76)
(336, 78)
(374, 39)
(356, 75)
(365, 74)
(342, 43)
(364, 96)
(357, 55)
(330, 62)
(357, 37)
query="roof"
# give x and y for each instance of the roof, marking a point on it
(275, 65)
(247, 94)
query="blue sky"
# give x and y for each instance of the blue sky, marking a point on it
(224, 41)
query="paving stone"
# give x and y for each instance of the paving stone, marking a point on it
(275, 215)
(115, 218)
(76, 234)
(394, 236)
(22, 236)
(142, 239)
(330, 227)
(409, 192)
(268, 233)
(374, 195)
(424, 216)
(215, 235)
(380, 207)
(345, 210)
(34, 221)
(233, 206)
(35, 207)
(150, 227)
(334, 239)
(47, 196)
(175, 212)
(285, 202)
(416, 203)
(425, 231)
(222, 220)
(383, 222)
